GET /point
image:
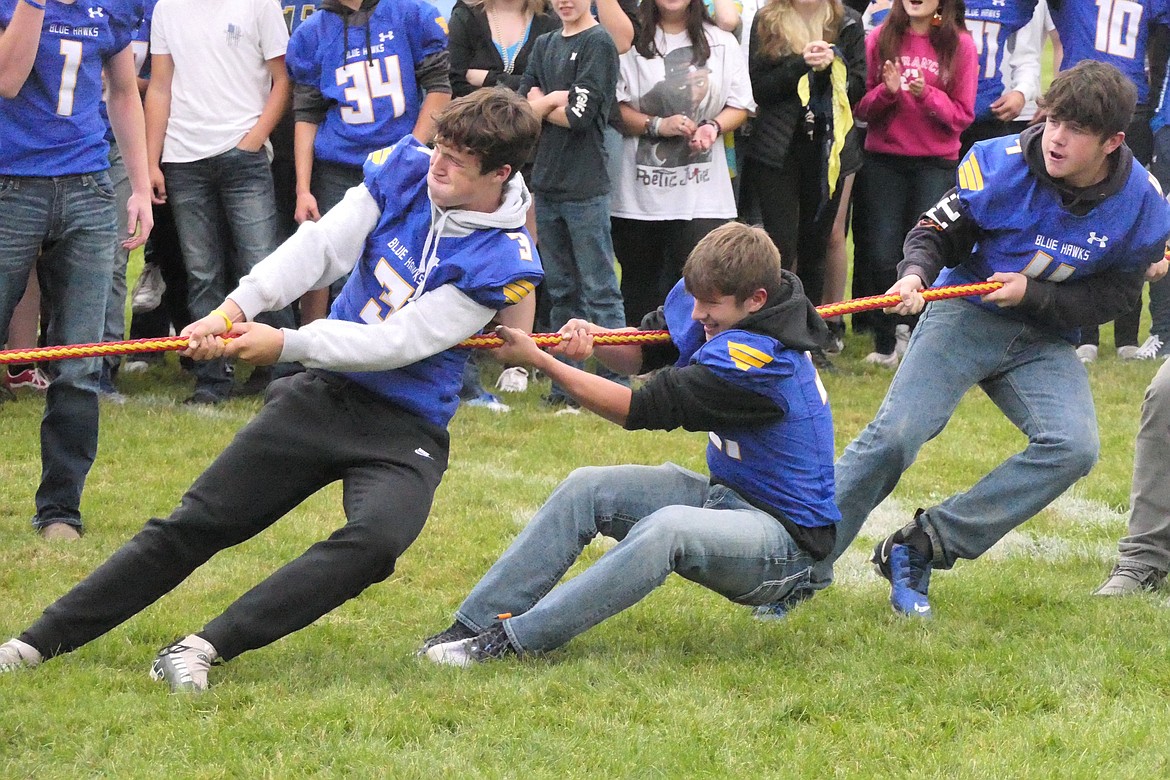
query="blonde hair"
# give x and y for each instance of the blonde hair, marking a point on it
(531, 7)
(782, 30)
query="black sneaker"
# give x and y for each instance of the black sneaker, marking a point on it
(487, 646)
(204, 398)
(778, 610)
(453, 633)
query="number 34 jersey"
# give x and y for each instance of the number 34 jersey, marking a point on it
(53, 127)
(367, 74)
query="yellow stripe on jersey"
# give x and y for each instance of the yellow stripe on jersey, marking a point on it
(518, 291)
(746, 357)
(970, 177)
(379, 157)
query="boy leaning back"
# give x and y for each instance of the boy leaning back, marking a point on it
(436, 245)
(737, 366)
(1066, 218)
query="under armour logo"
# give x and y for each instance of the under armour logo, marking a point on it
(386, 36)
(1098, 240)
(96, 13)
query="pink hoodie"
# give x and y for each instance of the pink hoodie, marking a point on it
(925, 126)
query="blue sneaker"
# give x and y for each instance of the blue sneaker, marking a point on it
(778, 610)
(486, 400)
(909, 575)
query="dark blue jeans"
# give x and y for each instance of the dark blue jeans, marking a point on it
(70, 222)
(898, 189)
(235, 186)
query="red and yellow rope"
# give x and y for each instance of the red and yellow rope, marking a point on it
(482, 341)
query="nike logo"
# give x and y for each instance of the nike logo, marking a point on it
(424, 453)
(921, 608)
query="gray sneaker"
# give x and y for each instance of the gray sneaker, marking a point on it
(15, 654)
(1131, 577)
(184, 664)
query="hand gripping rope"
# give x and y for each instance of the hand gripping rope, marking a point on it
(483, 341)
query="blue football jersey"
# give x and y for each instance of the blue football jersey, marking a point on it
(495, 268)
(373, 94)
(297, 11)
(54, 125)
(1113, 31)
(787, 464)
(1025, 229)
(991, 24)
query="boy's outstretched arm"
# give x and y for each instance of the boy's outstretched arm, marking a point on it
(602, 397)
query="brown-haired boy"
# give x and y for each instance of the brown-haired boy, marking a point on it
(373, 409)
(737, 366)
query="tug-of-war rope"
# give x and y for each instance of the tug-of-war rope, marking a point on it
(483, 341)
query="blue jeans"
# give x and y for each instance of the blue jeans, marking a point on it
(1034, 378)
(238, 186)
(577, 253)
(115, 328)
(665, 519)
(73, 218)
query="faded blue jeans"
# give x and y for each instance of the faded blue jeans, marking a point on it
(665, 518)
(1034, 378)
(235, 186)
(73, 218)
(576, 250)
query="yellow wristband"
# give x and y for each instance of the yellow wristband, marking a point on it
(227, 321)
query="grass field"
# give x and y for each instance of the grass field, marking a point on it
(1021, 674)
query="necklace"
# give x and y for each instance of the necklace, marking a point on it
(507, 53)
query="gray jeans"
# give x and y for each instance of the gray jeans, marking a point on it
(1148, 541)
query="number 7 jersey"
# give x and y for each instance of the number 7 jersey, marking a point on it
(53, 127)
(366, 72)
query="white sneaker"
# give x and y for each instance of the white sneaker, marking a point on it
(184, 665)
(1127, 352)
(15, 654)
(513, 380)
(148, 290)
(1087, 353)
(901, 339)
(1149, 349)
(882, 359)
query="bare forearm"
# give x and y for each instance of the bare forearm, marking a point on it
(18, 47)
(158, 111)
(304, 136)
(128, 124)
(279, 99)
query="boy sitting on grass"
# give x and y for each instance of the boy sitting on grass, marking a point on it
(737, 367)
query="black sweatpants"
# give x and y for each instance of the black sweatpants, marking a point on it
(315, 428)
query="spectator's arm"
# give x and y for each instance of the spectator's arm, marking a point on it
(274, 107)
(158, 111)
(725, 15)
(433, 77)
(124, 108)
(18, 46)
(617, 23)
